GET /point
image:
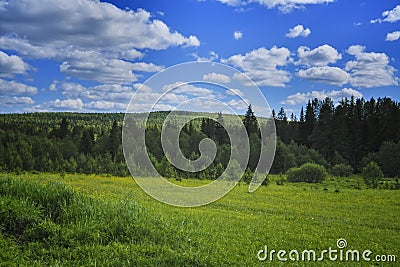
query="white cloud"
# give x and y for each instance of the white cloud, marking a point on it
(320, 56)
(188, 89)
(284, 6)
(146, 67)
(91, 65)
(142, 87)
(66, 105)
(192, 41)
(235, 92)
(392, 15)
(12, 101)
(87, 25)
(370, 69)
(335, 95)
(150, 98)
(237, 35)
(389, 16)
(114, 97)
(11, 65)
(216, 78)
(326, 74)
(109, 92)
(106, 105)
(91, 39)
(238, 103)
(131, 54)
(261, 65)
(233, 2)
(288, 5)
(297, 31)
(393, 36)
(26, 49)
(145, 107)
(15, 88)
(212, 57)
(211, 105)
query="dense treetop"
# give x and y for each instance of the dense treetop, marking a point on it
(353, 132)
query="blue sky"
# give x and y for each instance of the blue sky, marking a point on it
(92, 56)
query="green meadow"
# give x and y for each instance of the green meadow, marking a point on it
(92, 220)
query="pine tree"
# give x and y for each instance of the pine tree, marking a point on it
(63, 131)
(250, 121)
(302, 115)
(114, 140)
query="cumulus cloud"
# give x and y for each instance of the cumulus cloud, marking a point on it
(24, 48)
(297, 31)
(131, 54)
(188, 89)
(393, 36)
(142, 87)
(389, 16)
(212, 57)
(320, 56)
(335, 95)
(326, 74)
(11, 65)
(210, 105)
(216, 78)
(12, 101)
(109, 92)
(106, 105)
(92, 40)
(261, 65)
(234, 92)
(66, 105)
(370, 69)
(237, 35)
(91, 65)
(15, 88)
(284, 6)
(233, 2)
(87, 25)
(114, 97)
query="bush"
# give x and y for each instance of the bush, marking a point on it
(372, 174)
(308, 172)
(342, 170)
(389, 158)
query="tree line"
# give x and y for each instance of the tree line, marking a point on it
(352, 134)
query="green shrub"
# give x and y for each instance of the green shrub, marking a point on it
(372, 174)
(342, 170)
(308, 172)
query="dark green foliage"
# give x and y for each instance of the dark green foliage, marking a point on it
(16, 216)
(86, 230)
(372, 174)
(308, 172)
(342, 170)
(389, 158)
(346, 133)
(250, 122)
(354, 132)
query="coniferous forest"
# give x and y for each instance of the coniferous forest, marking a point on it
(351, 133)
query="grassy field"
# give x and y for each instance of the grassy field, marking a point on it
(88, 220)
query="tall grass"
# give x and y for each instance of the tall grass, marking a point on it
(51, 224)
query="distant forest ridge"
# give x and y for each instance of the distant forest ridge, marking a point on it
(353, 132)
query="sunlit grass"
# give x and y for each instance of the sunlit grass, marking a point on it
(230, 231)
